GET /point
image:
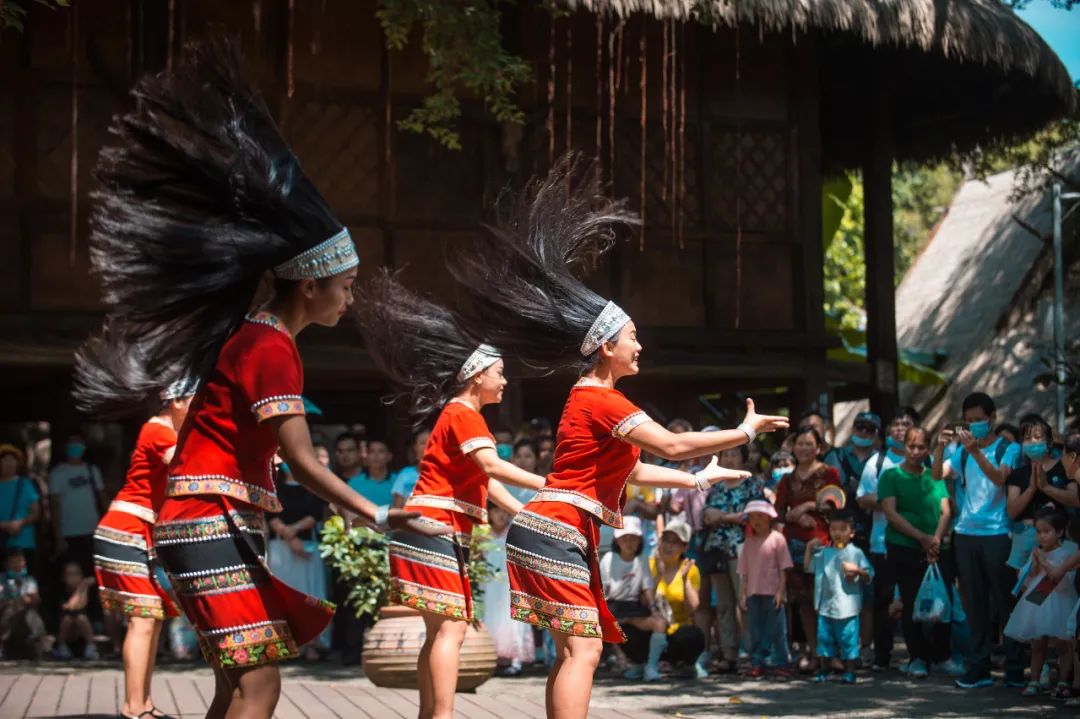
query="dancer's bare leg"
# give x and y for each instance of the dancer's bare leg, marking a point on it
(569, 686)
(139, 645)
(441, 655)
(256, 692)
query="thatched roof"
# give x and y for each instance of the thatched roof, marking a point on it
(966, 72)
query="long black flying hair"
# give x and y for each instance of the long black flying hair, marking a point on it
(418, 343)
(523, 277)
(198, 196)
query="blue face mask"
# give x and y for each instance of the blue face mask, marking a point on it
(892, 444)
(1035, 450)
(980, 430)
(17, 574)
(505, 451)
(74, 450)
(283, 467)
(863, 442)
(778, 474)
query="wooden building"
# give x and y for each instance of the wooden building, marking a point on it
(746, 107)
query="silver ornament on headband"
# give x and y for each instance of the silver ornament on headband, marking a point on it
(326, 259)
(183, 387)
(482, 357)
(607, 324)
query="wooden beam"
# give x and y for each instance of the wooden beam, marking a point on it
(882, 354)
(805, 66)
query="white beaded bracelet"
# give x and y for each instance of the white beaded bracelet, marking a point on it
(382, 515)
(746, 429)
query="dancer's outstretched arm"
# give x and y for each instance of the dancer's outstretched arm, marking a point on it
(655, 439)
(651, 475)
(295, 440)
(488, 460)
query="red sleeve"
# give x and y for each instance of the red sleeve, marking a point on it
(160, 440)
(613, 413)
(471, 431)
(271, 377)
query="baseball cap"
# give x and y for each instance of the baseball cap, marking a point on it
(870, 417)
(680, 529)
(630, 525)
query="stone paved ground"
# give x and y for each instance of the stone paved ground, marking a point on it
(321, 690)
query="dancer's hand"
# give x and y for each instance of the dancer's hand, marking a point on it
(714, 473)
(400, 519)
(763, 423)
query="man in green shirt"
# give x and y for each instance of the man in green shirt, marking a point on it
(918, 512)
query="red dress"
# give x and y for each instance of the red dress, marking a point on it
(551, 555)
(123, 545)
(430, 573)
(210, 534)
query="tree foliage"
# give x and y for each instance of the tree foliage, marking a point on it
(920, 194)
(463, 44)
(13, 12)
(359, 556)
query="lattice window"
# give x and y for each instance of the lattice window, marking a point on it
(748, 184)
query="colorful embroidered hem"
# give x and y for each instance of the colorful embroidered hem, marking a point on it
(627, 424)
(590, 505)
(184, 486)
(451, 504)
(249, 646)
(475, 443)
(577, 621)
(426, 599)
(131, 605)
(278, 407)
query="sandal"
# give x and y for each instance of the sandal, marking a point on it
(1031, 689)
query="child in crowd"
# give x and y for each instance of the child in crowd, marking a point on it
(514, 646)
(763, 566)
(781, 464)
(839, 569)
(74, 623)
(22, 632)
(628, 588)
(1044, 610)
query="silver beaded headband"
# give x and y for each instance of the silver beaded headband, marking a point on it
(482, 357)
(184, 387)
(608, 323)
(326, 259)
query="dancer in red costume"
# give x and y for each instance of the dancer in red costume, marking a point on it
(523, 283)
(440, 364)
(124, 550)
(200, 202)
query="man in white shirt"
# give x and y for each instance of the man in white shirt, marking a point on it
(76, 494)
(979, 469)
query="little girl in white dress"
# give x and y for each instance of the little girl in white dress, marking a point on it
(1045, 608)
(513, 640)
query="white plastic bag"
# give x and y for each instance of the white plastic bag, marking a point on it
(932, 601)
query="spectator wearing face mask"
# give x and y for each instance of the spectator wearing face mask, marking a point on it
(884, 584)
(76, 493)
(979, 470)
(850, 460)
(1040, 480)
(781, 464)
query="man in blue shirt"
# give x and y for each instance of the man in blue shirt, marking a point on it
(979, 469)
(376, 482)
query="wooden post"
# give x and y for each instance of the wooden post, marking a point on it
(810, 285)
(881, 347)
